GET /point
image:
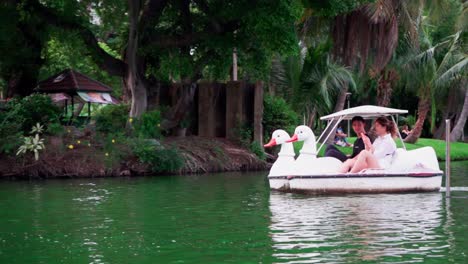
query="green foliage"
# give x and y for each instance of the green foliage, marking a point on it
(332, 8)
(32, 144)
(409, 120)
(160, 159)
(37, 129)
(310, 80)
(148, 125)
(277, 114)
(55, 129)
(115, 148)
(61, 53)
(243, 133)
(257, 149)
(30, 110)
(10, 135)
(112, 118)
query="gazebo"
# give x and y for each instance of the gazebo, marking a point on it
(70, 86)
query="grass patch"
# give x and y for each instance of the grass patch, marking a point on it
(458, 150)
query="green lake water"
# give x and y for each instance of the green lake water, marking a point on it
(226, 218)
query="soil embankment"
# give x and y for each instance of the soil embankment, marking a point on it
(200, 155)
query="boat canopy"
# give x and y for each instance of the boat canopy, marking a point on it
(366, 111)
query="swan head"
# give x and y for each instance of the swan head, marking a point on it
(302, 133)
(279, 137)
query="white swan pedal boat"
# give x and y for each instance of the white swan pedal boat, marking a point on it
(410, 170)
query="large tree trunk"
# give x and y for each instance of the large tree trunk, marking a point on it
(22, 82)
(448, 112)
(458, 130)
(133, 77)
(22, 79)
(384, 88)
(423, 108)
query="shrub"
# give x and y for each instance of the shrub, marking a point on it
(10, 135)
(148, 125)
(33, 144)
(112, 118)
(243, 133)
(115, 149)
(55, 129)
(160, 159)
(30, 110)
(277, 114)
(257, 149)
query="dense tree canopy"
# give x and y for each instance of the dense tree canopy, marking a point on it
(317, 48)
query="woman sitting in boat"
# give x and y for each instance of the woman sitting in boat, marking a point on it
(378, 154)
(405, 131)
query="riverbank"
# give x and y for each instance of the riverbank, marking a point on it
(458, 150)
(86, 159)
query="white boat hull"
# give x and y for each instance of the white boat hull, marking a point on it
(279, 183)
(372, 182)
(367, 184)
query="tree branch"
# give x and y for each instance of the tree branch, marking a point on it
(105, 61)
(192, 38)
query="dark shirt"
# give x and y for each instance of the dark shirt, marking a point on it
(359, 146)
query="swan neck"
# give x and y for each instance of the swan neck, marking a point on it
(287, 149)
(309, 146)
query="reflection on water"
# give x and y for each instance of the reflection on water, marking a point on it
(382, 228)
(224, 218)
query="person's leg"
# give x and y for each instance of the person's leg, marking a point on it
(365, 160)
(348, 164)
(332, 151)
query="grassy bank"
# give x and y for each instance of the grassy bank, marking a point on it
(458, 150)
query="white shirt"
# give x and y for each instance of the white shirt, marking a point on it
(384, 147)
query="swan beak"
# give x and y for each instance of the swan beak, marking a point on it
(270, 144)
(293, 139)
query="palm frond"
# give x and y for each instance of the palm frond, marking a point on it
(453, 72)
(380, 11)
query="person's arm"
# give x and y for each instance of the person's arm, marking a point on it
(341, 134)
(367, 143)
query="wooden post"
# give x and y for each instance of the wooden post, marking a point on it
(72, 107)
(234, 108)
(206, 109)
(258, 112)
(89, 110)
(234, 65)
(447, 158)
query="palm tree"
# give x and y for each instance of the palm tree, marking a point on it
(428, 75)
(310, 80)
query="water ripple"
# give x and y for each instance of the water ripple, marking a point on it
(367, 227)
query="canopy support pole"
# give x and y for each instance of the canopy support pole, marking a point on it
(89, 110)
(66, 108)
(72, 107)
(331, 131)
(398, 132)
(329, 123)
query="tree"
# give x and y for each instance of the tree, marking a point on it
(428, 75)
(311, 79)
(182, 40)
(22, 39)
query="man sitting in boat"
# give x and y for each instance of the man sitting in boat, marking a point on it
(358, 125)
(378, 154)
